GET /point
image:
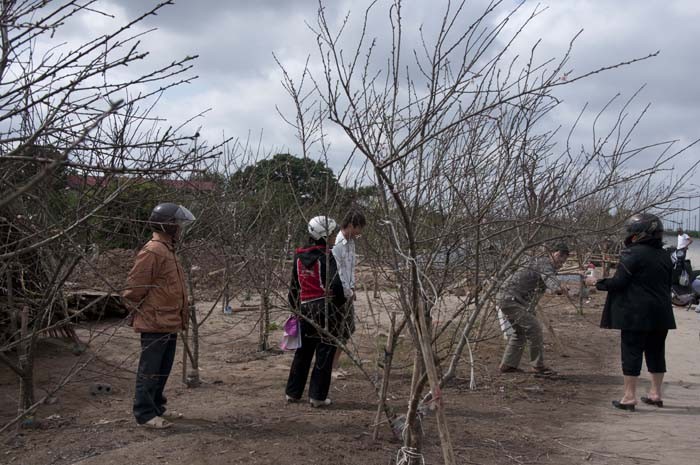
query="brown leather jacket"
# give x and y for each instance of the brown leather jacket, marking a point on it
(155, 290)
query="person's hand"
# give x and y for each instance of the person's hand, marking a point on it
(349, 294)
(601, 285)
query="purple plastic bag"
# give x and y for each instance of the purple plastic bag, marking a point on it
(292, 334)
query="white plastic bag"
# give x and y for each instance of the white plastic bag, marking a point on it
(506, 328)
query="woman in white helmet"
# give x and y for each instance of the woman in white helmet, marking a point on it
(315, 294)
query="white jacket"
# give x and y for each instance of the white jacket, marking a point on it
(344, 253)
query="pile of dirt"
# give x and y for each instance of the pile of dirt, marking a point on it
(107, 271)
(104, 271)
(205, 265)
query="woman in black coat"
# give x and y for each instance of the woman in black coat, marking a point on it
(639, 304)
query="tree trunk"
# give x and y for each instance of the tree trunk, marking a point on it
(425, 337)
(375, 276)
(413, 437)
(192, 379)
(185, 336)
(264, 321)
(193, 376)
(26, 364)
(226, 297)
(388, 358)
(14, 327)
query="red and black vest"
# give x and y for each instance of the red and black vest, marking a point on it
(308, 268)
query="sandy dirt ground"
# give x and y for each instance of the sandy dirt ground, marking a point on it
(238, 414)
(652, 435)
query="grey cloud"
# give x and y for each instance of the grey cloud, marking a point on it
(616, 32)
(238, 77)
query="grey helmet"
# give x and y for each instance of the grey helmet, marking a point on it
(167, 217)
(643, 227)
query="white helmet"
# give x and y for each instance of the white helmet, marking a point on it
(320, 227)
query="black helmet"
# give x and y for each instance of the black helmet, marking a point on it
(562, 248)
(167, 217)
(643, 227)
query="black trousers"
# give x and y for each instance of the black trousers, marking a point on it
(648, 344)
(157, 356)
(311, 344)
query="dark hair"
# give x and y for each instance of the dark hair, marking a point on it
(320, 241)
(354, 217)
(562, 247)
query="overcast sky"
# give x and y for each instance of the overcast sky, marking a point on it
(240, 82)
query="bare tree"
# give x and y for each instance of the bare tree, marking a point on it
(468, 175)
(75, 136)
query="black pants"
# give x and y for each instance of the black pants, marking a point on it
(649, 344)
(311, 344)
(157, 356)
(347, 321)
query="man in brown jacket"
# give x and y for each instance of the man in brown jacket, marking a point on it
(157, 299)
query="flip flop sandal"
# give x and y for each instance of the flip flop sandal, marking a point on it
(658, 403)
(619, 405)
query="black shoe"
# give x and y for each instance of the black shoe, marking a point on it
(621, 406)
(659, 403)
(544, 371)
(507, 369)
